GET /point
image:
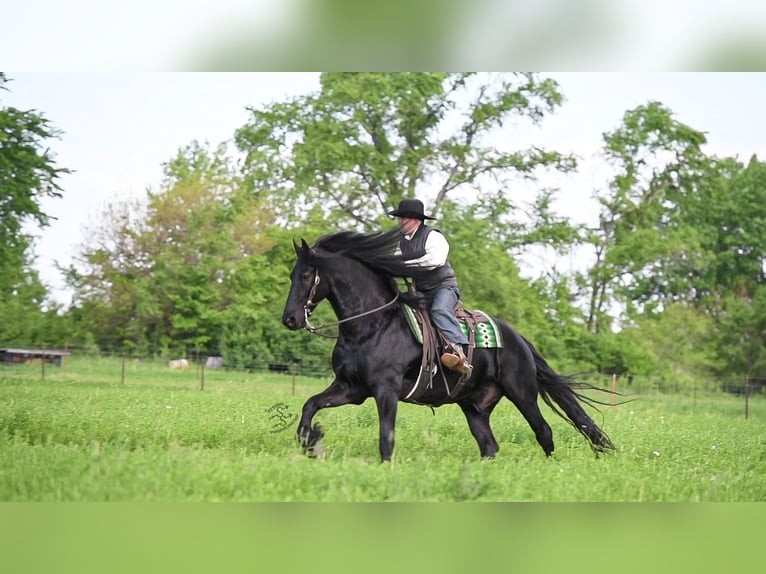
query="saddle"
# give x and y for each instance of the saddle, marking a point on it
(479, 328)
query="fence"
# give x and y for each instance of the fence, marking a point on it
(90, 367)
(315, 367)
(642, 384)
(199, 371)
(700, 392)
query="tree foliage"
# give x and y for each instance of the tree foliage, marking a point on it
(159, 276)
(655, 158)
(28, 174)
(351, 152)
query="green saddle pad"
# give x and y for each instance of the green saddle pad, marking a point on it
(488, 335)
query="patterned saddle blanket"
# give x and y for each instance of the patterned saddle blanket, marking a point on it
(486, 333)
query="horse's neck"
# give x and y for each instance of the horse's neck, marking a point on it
(356, 289)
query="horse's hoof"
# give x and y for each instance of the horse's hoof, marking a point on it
(309, 441)
(316, 451)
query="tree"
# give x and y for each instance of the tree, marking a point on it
(253, 334)
(739, 335)
(351, 152)
(722, 273)
(159, 276)
(28, 174)
(656, 160)
(27, 318)
(681, 243)
(728, 213)
(673, 346)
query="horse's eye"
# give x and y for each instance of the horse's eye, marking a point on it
(307, 275)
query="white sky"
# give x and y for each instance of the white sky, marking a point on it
(120, 127)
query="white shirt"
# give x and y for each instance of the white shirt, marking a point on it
(437, 250)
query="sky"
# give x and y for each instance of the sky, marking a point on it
(120, 127)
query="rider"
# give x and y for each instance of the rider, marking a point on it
(440, 286)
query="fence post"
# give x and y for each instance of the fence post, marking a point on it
(202, 375)
(122, 371)
(747, 396)
(42, 365)
(614, 388)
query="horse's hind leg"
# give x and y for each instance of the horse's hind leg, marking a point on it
(519, 384)
(337, 394)
(525, 399)
(531, 412)
(478, 422)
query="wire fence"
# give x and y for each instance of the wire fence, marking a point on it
(193, 361)
(643, 384)
(199, 370)
(738, 395)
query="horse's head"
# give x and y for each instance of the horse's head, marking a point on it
(306, 288)
(354, 270)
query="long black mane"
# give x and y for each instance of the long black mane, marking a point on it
(376, 250)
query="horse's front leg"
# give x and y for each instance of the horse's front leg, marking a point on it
(337, 394)
(387, 404)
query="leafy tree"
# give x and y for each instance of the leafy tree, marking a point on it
(351, 152)
(160, 276)
(716, 265)
(656, 159)
(739, 337)
(28, 318)
(28, 174)
(729, 214)
(673, 346)
(253, 334)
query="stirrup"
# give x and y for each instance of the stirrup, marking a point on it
(456, 362)
(450, 360)
(461, 381)
(465, 369)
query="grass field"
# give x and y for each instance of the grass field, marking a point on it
(80, 434)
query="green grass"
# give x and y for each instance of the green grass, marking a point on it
(81, 435)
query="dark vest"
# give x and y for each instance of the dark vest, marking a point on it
(443, 276)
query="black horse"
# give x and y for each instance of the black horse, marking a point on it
(376, 354)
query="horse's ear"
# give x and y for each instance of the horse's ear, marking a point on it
(304, 244)
(297, 249)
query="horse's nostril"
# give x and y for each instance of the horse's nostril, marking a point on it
(289, 321)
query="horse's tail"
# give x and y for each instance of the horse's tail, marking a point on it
(562, 390)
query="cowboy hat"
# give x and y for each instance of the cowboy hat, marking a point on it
(412, 208)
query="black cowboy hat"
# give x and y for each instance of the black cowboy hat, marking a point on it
(412, 208)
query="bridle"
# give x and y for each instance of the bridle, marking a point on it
(308, 309)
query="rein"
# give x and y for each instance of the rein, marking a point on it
(308, 308)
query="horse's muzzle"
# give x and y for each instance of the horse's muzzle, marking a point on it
(292, 322)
